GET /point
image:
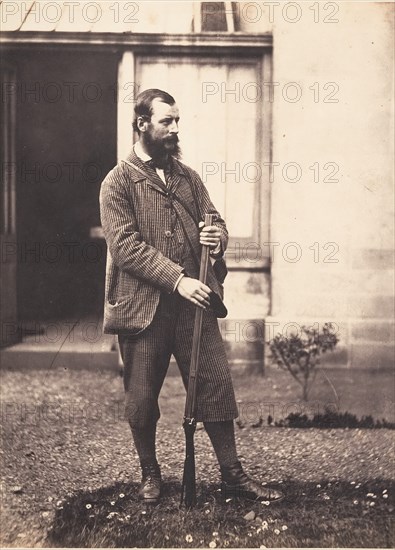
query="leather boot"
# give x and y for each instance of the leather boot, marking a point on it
(236, 483)
(150, 486)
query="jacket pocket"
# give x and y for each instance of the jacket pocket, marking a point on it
(132, 313)
(119, 302)
(124, 314)
(124, 289)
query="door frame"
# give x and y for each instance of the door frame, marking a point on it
(8, 234)
(251, 47)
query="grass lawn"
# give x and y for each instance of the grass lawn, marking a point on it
(330, 514)
(70, 474)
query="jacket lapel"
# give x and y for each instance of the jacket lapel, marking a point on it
(149, 173)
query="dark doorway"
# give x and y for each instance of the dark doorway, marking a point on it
(66, 144)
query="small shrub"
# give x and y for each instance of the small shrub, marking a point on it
(299, 354)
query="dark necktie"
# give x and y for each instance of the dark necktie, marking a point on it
(167, 173)
(166, 170)
(150, 163)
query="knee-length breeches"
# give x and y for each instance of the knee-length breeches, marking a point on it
(146, 358)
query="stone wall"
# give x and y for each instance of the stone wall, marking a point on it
(347, 275)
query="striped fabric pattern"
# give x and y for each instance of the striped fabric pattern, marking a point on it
(146, 360)
(146, 244)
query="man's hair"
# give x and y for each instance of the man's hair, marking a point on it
(143, 107)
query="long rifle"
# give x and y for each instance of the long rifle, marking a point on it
(189, 478)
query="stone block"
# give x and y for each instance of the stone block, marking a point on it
(370, 356)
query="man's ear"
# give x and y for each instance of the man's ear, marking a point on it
(142, 123)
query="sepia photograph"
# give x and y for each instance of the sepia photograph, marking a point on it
(197, 274)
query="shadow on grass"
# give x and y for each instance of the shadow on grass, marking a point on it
(325, 514)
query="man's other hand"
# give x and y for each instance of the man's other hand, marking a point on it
(194, 291)
(210, 235)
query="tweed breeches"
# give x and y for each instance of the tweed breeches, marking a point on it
(146, 358)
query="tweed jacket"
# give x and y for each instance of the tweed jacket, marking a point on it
(147, 249)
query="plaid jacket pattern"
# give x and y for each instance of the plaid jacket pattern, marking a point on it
(145, 235)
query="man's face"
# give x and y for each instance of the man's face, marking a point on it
(161, 133)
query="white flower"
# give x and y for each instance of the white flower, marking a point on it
(213, 544)
(88, 506)
(370, 494)
(284, 528)
(355, 502)
(112, 503)
(111, 515)
(385, 495)
(264, 525)
(143, 512)
(277, 531)
(318, 486)
(228, 500)
(385, 491)
(189, 538)
(372, 503)
(215, 534)
(121, 495)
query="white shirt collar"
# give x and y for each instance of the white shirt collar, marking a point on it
(145, 158)
(140, 152)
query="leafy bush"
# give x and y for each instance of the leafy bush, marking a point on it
(299, 353)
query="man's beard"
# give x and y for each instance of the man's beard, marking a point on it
(162, 150)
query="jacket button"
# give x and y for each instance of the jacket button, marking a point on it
(167, 233)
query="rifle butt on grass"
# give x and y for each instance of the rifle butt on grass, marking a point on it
(188, 495)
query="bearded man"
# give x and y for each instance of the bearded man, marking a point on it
(152, 207)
